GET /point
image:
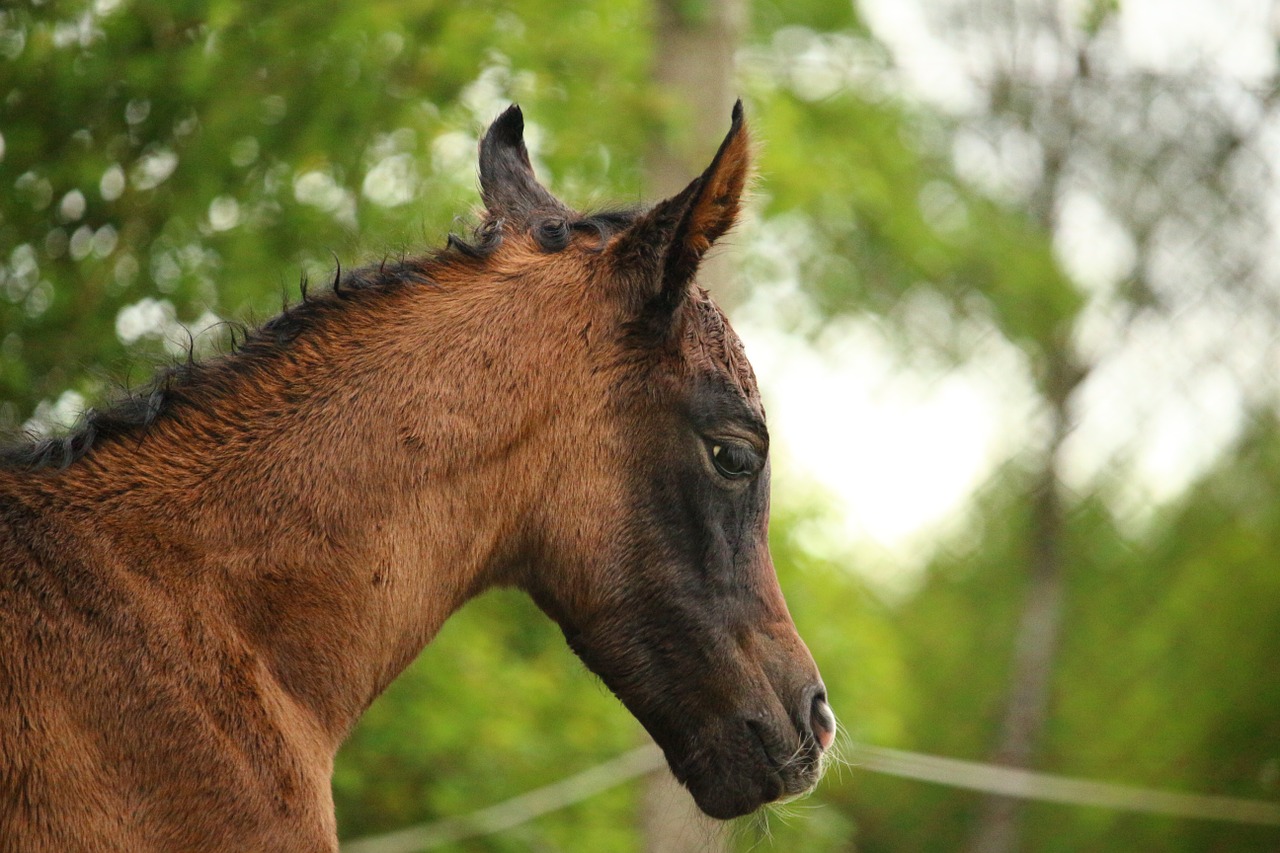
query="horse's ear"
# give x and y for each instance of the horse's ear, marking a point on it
(667, 244)
(507, 184)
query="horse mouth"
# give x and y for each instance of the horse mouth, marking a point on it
(776, 786)
(761, 770)
(798, 771)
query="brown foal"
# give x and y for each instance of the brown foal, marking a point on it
(205, 585)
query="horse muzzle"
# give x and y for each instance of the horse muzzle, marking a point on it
(746, 762)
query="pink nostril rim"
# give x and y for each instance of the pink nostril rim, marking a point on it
(823, 722)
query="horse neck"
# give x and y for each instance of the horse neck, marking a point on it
(339, 504)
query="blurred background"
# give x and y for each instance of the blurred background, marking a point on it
(1008, 278)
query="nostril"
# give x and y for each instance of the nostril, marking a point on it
(821, 721)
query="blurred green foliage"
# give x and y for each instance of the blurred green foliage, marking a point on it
(200, 155)
(204, 153)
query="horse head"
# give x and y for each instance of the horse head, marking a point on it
(652, 548)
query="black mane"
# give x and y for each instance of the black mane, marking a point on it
(137, 410)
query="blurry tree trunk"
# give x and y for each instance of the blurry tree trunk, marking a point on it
(999, 824)
(693, 71)
(998, 828)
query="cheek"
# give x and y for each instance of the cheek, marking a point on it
(739, 523)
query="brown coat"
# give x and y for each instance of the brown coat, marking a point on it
(222, 573)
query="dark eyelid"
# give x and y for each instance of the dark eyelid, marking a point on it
(755, 440)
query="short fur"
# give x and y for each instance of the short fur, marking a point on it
(203, 587)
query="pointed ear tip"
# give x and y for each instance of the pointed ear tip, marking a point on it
(740, 140)
(739, 133)
(507, 127)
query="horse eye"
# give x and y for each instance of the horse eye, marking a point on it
(734, 460)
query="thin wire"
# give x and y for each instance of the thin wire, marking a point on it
(1048, 787)
(517, 810)
(970, 775)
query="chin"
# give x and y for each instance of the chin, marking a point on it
(752, 768)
